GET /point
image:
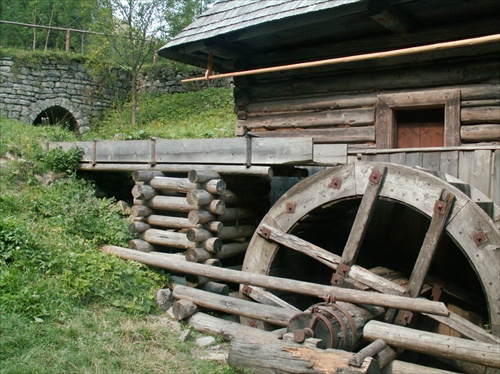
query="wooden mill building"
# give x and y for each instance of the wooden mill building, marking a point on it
(437, 108)
(401, 235)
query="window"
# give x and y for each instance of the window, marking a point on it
(418, 119)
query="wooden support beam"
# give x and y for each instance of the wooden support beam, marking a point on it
(283, 284)
(274, 315)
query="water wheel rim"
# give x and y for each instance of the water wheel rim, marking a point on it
(410, 187)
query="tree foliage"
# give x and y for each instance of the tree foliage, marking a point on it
(74, 14)
(133, 29)
(180, 13)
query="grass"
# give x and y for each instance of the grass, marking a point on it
(65, 306)
(99, 340)
(204, 114)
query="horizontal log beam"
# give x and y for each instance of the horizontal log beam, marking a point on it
(480, 133)
(345, 117)
(283, 284)
(268, 313)
(486, 114)
(434, 344)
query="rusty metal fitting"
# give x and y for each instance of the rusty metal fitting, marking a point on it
(301, 335)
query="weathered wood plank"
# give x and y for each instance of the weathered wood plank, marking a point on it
(264, 297)
(449, 163)
(263, 356)
(431, 160)
(483, 169)
(124, 151)
(195, 151)
(495, 178)
(234, 151)
(311, 103)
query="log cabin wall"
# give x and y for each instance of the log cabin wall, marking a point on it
(357, 104)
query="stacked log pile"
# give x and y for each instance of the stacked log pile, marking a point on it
(199, 216)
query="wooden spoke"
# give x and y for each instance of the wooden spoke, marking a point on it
(357, 273)
(300, 245)
(438, 223)
(363, 217)
(372, 280)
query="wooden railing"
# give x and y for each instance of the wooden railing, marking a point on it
(68, 32)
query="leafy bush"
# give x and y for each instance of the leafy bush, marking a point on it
(50, 234)
(60, 161)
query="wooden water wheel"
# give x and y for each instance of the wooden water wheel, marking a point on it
(387, 228)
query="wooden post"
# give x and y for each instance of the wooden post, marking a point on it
(264, 297)
(141, 245)
(197, 255)
(199, 197)
(170, 184)
(68, 39)
(368, 351)
(232, 249)
(198, 235)
(183, 309)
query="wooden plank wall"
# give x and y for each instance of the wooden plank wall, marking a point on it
(339, 104)
(480, 168)
(351, 118)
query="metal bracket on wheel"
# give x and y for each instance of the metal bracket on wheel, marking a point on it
(342, 271)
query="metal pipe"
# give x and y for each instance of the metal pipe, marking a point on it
(367, 56)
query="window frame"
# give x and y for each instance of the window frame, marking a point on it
(385, 121)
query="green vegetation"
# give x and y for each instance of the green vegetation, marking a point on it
(203, 114)
(65, 306)
(36, 58)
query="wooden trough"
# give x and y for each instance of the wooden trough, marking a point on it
(358, 268)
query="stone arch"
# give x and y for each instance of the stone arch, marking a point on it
(57, 115)
(78, 121)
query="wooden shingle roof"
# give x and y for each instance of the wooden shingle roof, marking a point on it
(228, 16)
(245, 34)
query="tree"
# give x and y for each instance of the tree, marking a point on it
(135, 27)
(75, 14)
(180, 13)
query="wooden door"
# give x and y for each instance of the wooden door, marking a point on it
(419, 128)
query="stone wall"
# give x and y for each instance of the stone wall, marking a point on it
(163, 79)
(63, 91)
(31, 93)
